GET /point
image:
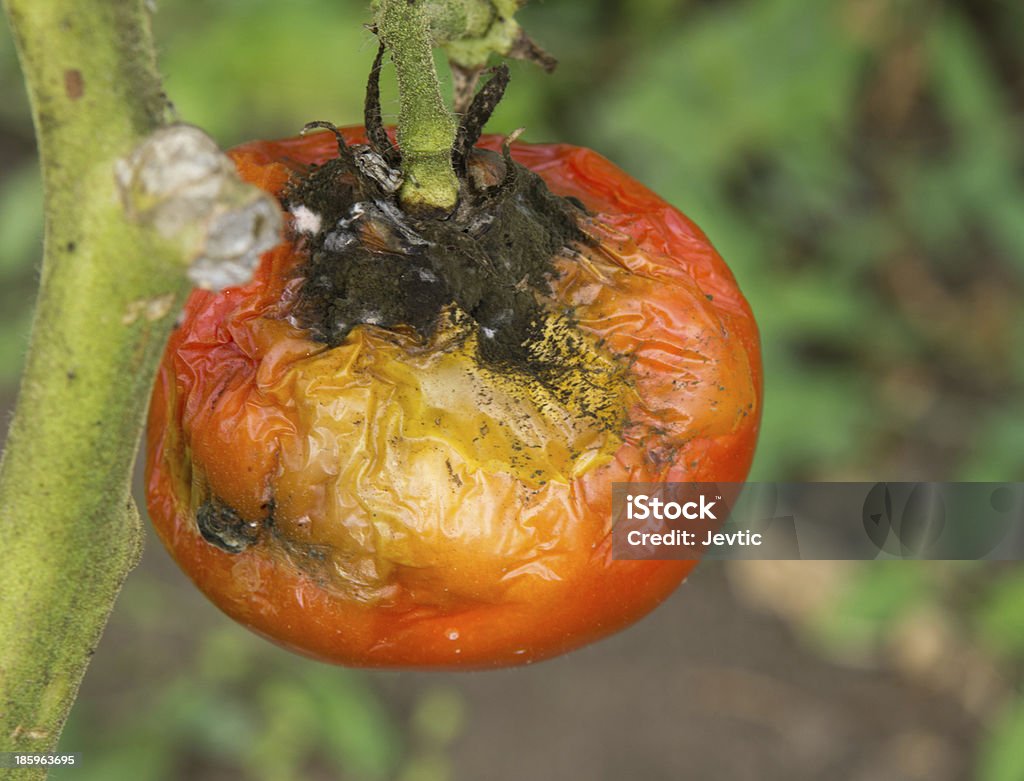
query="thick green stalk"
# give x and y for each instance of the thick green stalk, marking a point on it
(426, 128)
(470, 32)
(69, 530)
(113, 279)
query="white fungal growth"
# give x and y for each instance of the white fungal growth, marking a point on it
(306, 220)
(178, 182)
(338, 240)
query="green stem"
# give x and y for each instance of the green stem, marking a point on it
(470, 32)
(109, 293)
(426, 128)
(69, 530)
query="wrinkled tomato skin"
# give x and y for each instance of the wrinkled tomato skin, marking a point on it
(203, 411)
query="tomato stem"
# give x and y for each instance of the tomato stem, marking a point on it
(131, 206)
(470, 32)
(426, 127)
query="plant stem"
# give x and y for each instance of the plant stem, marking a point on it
(110, 290)
(69, 530)
(426, 128)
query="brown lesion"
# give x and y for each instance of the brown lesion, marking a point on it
(223, 526)
(369, 263)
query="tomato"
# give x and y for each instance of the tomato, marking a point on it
(376, 494)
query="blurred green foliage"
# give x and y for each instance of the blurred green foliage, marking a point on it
(1001, 758)
(873, 603)
(859, 163)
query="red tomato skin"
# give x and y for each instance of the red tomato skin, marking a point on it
(592, 597)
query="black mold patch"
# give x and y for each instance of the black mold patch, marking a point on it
(372, 264)
(221, 525)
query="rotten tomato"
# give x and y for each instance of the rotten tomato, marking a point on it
(396, 445)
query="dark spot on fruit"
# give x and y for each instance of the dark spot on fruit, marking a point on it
(456, 480)
(221, 525)
(372, 264)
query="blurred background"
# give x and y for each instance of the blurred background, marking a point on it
(860, 164)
